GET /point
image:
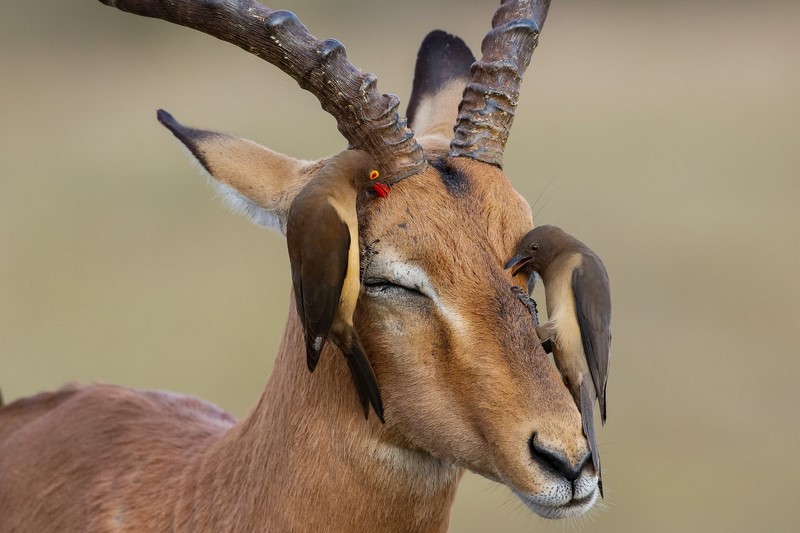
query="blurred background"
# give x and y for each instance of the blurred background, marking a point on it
(670, 131)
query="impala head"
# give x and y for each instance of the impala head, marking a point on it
(462, 373)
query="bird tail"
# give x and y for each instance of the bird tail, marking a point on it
(587, 415)
(602, 400)
(363, 377)
(313, 348)
(1, 398)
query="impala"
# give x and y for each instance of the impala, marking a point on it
(464, 380)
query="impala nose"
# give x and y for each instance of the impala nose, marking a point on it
(556, 460)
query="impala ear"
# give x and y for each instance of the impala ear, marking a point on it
(250, 178)
(441, 73)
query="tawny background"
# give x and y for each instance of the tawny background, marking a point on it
(671, 129)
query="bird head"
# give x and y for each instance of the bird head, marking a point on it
(381, 189)
(536, 250)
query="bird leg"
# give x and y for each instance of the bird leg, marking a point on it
(546, 332)
(528, 302)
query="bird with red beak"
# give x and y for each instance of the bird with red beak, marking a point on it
(578, 326)
(322, 237)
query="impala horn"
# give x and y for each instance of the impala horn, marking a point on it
(366, 118)
(490, 99)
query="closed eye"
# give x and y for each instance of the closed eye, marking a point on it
(404, 286)
(382, 286)
(394, 281)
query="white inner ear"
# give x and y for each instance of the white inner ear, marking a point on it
(437, 113)
(236, 201)
(241, 204)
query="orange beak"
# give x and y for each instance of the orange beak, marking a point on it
(516, 263)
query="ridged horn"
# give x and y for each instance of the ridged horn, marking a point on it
(490, 99)
(368, 119)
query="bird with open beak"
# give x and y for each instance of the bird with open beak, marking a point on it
(578, 299)
(322, 237)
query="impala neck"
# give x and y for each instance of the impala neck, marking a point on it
(306, 460)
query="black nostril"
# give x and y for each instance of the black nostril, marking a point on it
(556, 461)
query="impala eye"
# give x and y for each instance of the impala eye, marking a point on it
(384, 286)
(395, 281)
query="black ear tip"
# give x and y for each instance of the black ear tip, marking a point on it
(442, 58)
(167, 120)
(440, 39)
(437, 36)
(439, 45)
(188, 136)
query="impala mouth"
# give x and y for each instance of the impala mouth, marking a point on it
(574, 507)
(516, 263)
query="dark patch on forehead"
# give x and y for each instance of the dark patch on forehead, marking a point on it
(455, 181)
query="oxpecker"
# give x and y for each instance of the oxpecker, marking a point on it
(322, 237)
(578, 316)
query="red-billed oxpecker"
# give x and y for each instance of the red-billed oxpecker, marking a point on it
(578, 316)
(322, 236)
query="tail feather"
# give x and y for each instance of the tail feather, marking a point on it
(1, 399)
(602, 400)
(363, 377)
(587, 415)
(313, 348)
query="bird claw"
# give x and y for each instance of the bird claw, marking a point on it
(528, 302)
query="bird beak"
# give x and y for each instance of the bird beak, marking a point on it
(516, 263)
(381, 189)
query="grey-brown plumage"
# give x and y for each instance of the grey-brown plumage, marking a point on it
(322, 237)
(579, 316)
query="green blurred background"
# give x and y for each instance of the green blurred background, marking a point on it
(671, 129)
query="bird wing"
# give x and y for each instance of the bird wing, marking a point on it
(318, 241)
(593, 305)
(587, 417)
(361, 371)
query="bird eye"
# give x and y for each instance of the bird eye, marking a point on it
(534, 247)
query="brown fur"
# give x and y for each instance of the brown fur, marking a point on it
(464, 380)
(105, 458)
